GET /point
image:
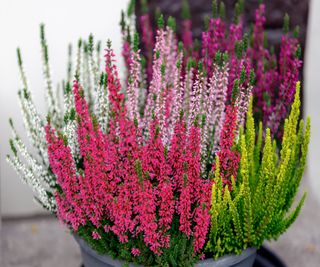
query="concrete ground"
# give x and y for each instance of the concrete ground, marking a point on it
(44, 242)
(38, 242)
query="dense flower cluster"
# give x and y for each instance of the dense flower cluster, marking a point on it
(275, 75)
(168, 165)
(126, 184)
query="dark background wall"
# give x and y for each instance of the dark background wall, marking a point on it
(275, 11)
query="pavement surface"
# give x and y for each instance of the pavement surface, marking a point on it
(43, 242)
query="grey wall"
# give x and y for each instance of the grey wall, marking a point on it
(312, 94)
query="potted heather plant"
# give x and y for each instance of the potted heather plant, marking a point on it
(171, 172)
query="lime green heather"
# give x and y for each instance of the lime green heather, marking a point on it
(258, 205)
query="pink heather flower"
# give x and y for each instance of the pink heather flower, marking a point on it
(202, 217)
(116, 98)
(193, 160)
(171, 56)
(188, 86)
(157, 82)
(92, 149)
(128, 151)
(107, 228)
(289, 75)
(235, 34)
(177, 101)
(95, 235)
(145, 208)
(242, 103)
(177, 154)
(266, 79)
(184, 210)
(218, 87)
(63, 166)
(126, 54)
(195, 99)
(156, 165)
(190, 193)
(166, 208)
(135, 252)
(213, 41)
(235, 68)
(187, 34)
(229, 158)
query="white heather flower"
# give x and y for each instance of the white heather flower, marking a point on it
(195, 99)
(28, 176)
(103, 106)
(70, 130)
(52, 104)
(133, 85)
(33, 124)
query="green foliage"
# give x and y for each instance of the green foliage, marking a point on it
(172, 23)
(222, 10)
(144, 6)
(258, 205)
(44, 43)
(239, 8)
(131, 8)
(185, 13)
(160, 22)
(179, 254)
(136, 42)
(286, 23)
(235, 90)
(214, 8)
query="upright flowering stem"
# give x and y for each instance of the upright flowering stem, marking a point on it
(202, 216)
(133, 85)
(156, 83)
(195, 99)
(217, 99)
(187, 34)
(229, 158)
(290, 65)
(147, 41)
(155, 163)
(191, 178)
(188, 85)
(177, 98)
(116, 98)
(70, 207)
(186, 26)
(213, 41)
(92, 150)
(177, 154)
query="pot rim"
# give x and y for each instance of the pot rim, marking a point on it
(226, 260)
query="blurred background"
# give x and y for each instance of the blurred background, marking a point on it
(25, 226)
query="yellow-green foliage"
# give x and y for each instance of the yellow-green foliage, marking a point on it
(257, 207)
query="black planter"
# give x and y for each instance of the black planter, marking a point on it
(92, 259)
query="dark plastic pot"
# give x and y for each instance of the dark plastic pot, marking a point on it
(92, 259)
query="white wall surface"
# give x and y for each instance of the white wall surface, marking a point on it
(65, 22)
(312, 93)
